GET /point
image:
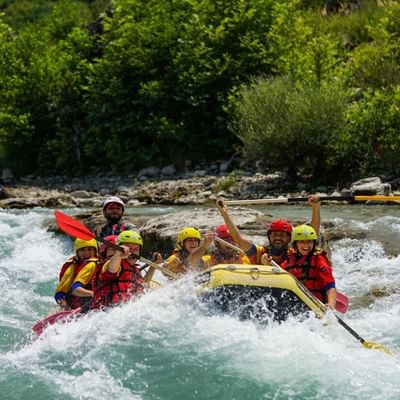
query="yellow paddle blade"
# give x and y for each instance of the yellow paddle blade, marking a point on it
(376, 346)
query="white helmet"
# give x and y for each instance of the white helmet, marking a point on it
(113, 199)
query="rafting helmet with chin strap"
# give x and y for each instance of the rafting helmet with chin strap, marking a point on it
(304, 232)
(186, 233)
(115, 200)
(130, 237)
(80, 244)
(222, 232)
(280, 225)
(110, 238)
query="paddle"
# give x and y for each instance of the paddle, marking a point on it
(60, 316)
(303, 199)
(342, 301)
(365, 343)
(75, 228)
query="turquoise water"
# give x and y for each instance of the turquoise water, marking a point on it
(166, 345)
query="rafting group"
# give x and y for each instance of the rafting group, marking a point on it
(290, 275)
(106, 275)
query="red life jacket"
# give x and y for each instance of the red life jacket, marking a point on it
(109, 292)
(65, 266)
(305, 269)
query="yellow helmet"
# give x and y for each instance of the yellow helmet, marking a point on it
(186, 233)
(80, 244)
(304, 232)
(130, 237)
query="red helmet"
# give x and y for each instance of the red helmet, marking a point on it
(109, 238)
(222, 232)
(280, 225)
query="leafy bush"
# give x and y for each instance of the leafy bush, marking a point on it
(288, 125)
(370, 143)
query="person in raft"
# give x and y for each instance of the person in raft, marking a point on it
(120, 279)
(310, 265)
(74, 287)
(220, 253)
(187, 241)
(279, 234)
(106, 251)
(113, 211)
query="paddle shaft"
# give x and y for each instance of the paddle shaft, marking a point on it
(304, 199)
(230, 245)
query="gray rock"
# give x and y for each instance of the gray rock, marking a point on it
(160, 232)
(224, 166)
(150, 171)
(367, 186)
(169, 170)
(200, 173)
(81, 194)
(7, 175)
(4, 193)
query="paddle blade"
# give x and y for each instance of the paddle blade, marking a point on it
(73, 227)
(376, 346)
(58, 317)
(342, 302)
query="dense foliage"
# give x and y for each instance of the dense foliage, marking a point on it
(95, 86)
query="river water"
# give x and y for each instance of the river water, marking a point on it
(167, 346)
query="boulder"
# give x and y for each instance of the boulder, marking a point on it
(366, 186)
(169, 170)
(150, 172)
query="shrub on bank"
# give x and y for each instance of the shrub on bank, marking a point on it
(288, 125)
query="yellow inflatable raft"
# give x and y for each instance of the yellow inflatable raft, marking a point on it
(256, 291)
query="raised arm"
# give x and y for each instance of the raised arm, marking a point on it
(315, 203)
(194, 258)
(114, 264)
(243, 243)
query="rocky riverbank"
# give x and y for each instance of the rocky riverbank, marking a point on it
(89, 192)
(159, 232)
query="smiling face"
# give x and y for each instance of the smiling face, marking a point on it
(85, 253)
(304, 247)
(191, 244)
(279, 239)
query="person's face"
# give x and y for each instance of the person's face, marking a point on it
(85, 253)
(304, 247)
(223, 247)
(110, 252)
(113, 212)
(279, 239)
(135, 252)
(191, 244)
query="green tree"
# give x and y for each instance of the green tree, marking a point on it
(160, 90)
(370, 143)
(41, 91)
